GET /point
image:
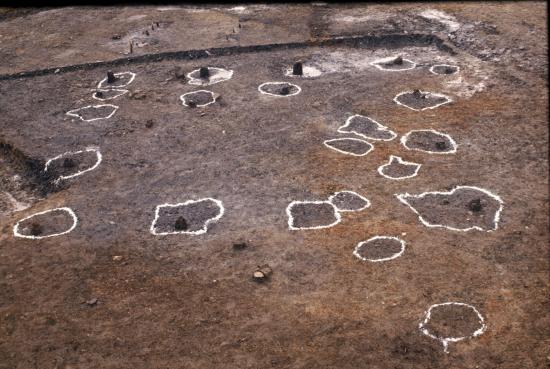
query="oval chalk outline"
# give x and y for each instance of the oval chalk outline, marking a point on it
(496, 219)
(394, 256)
(200, 82)
(203, 230)
(377, 62)
(291, 218)
(120, 90)
(445, 340)
(379, 125)
(371, 147)
(66, 209)
(444, 65)
(132, 76)
(454, 145)
(436, 94)
(331, 197)
(96, 164)
(299, 89)
(73, 114)
(214, 98)
(400, 161)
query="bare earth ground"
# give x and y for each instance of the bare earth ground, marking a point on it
(181, 301)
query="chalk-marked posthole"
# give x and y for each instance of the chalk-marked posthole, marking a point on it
(35, 232)
(349, 146)
(464, 208)
(367, 128)
(199, 98)
(191, 217)
(103, 94)
(379, 248)
(307, 72)
(67, 155)
(463, 312)
(87, 113)
(430, 141)
(399, 169)
(444, 69)
(394, 64)
(345, 201)
(418, 100)
(279, 89)
(305, 215)
(207, 76)
(123, 79)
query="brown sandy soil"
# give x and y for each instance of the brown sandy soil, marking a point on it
(110, 294)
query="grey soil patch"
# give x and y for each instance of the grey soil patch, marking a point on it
(398, 170)
(429, 141)
(452, 321)
(70, 164)
(312, 215)
(90, 113)
(348, 201)
(379, 248)
(396, 64)
(419, 100)
(279, 88)
(42, 225)
(366, 127)
(190, 218)
(108, 94)
(444, 69)
(350, 146)
(463, 209)
(198, 98)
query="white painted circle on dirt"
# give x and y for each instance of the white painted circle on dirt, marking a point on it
(296, 87)
(363, 244)
(65, 209)
(74, 112)
(123, 75)
(69, 153)
(185, 102)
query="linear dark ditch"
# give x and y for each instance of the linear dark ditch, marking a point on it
(389, 41)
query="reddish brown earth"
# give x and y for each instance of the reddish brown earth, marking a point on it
(110, 294)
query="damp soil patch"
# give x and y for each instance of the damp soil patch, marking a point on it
(71, 164)
(453, 320)
(46, 224)
(349, 201)
(367, 127)
(429, 141)
(379, 248)
(463, 208)
(312, 215)
(279, 88)
(192, 217)
(421, 100)
(349, 146)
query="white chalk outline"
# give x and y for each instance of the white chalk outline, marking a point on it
(120, 90)
(73, 114)
(88, 149)
(347, 152)
(201, 82)
(132, 76)
(307, 72)
(445, 340)
(68, 210)
(299, 89)
(377, 63)
(380, 127)
(204, 228)
(399, 161)
(449, 100)
(183, 99)
(496, 219)
(444, 65)
(405, 137)
(394, 256)
(291, 218)
(331, 197)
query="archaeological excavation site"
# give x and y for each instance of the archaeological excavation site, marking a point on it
(246, 186)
